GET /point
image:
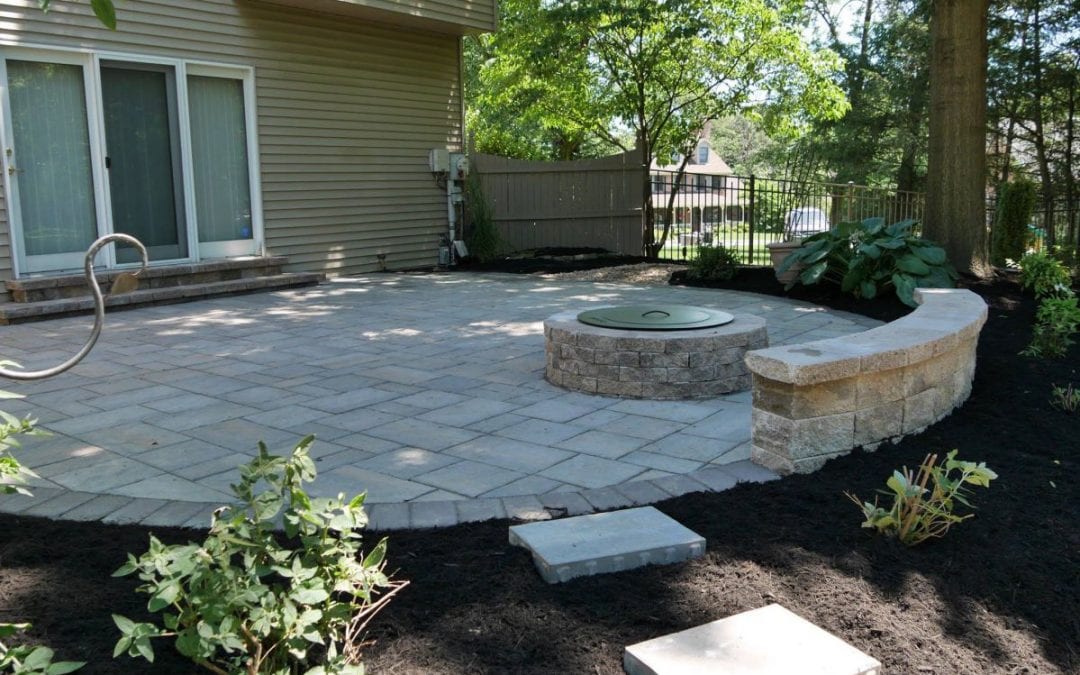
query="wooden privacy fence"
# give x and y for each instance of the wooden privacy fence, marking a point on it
(592, 203)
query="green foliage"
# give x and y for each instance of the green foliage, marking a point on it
(246, 600)
(1065, 398)
(866, 258)
(28, 659)
(483, 239)
(1056, 321)
(713, 263)
(1044, 274)
(923, 504)
(1016, 202)
(104, 10)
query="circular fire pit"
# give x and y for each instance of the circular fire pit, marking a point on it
(652, 351)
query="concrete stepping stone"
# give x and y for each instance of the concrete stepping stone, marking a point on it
(606, 542)
(770, 640)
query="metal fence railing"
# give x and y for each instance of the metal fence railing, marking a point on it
(1059, 216)
(745, 213)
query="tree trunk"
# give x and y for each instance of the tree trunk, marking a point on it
(956, 166)
(1039, 136)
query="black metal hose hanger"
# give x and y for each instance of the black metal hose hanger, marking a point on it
(123, 283)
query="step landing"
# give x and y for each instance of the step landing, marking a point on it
(606, 542)
(770, 640)
(58, 287)
(17, 312)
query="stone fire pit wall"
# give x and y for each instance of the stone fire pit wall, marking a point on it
(683, 364)
(818, 400)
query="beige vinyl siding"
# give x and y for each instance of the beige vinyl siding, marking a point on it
(347, 110)
(451, 16)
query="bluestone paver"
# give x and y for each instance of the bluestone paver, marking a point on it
(175, 397)
(601, 543)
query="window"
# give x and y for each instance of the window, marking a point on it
(703, 154)
(162, 149)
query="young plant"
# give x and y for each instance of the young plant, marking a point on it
(1045, 275)
(1016, 202)
(483, 240)
(249, 601)
(22, 659)
(867, 258)
(29, 659)
(923, 504)
(1065, 398)
(1056, 320)
(713, 263)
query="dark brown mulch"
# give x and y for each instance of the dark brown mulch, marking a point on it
(999, 594)
(550, 261)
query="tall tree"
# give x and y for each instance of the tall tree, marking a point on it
(649, 73)
(956, 170)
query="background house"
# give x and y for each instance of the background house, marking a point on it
(230, 128)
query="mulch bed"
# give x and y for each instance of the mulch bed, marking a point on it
(999, 594)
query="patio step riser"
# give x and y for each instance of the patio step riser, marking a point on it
(16, 312)
(74, 285)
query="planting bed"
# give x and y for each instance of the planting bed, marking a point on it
(997, 595)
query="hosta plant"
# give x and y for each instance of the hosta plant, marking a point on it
(247, 600)
(923, 504)
(869, 258)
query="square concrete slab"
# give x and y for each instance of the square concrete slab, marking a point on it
(606, 542)
(770, 640)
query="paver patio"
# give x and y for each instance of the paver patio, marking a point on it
(425, 390)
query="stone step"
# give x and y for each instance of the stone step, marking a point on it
(36, 289)
(606, 542)
(770, 640)
(17, 312)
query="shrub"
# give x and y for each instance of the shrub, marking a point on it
(1055, 323)
(866, 258)
(923, 503)
(1044, 274)
(714, 263)
(1065, 398)
(1016, 203)
(483, 239)
(246, 600)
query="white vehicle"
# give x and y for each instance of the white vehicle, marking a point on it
(804, 221)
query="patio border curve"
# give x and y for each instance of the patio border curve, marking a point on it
(819, 400)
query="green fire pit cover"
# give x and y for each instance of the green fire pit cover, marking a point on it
(655, 317)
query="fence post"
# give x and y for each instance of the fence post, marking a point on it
(750, 234)
(850, 200)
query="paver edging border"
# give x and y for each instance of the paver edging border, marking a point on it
(819, 400)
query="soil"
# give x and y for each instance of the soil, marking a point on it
(998, 594)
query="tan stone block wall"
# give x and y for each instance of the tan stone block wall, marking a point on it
(816, 401)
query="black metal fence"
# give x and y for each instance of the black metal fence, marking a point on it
(1060, 216)
(745, 213)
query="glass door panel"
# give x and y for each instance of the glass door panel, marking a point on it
(220, 163)
(142, 140)
(49, 163)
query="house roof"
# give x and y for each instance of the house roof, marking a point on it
(713, 166)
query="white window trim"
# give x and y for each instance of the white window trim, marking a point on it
(90, 61)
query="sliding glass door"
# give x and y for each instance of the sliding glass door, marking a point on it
(49, 162)
(161, 149)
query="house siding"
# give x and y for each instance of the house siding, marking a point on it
(347, 110)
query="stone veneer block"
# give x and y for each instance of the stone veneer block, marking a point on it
(905, 376)
(606, 542)
(684, 364)
(770, 640)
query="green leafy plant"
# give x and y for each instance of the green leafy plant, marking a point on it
(22, 659)
(923, 503)
(483, 240)
(1056, 321)
(249, 601)
(29, 659)
(713, 263)
(869, 257)
(1065, 398)
(1045, 275)
(1016, 202)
